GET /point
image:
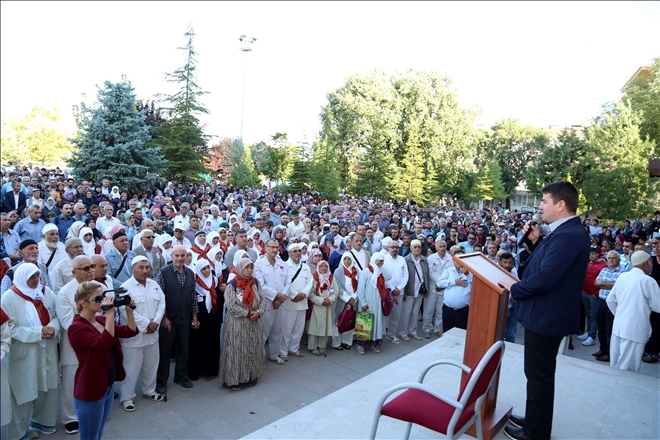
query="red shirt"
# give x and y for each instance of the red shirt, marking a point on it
(93, 351)
(593, 269)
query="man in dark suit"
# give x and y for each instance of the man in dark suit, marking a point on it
(548, 303)
(14, 199)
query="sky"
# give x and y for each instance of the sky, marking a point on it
(545, 63)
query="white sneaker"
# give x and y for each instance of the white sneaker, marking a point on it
(583, 336)
(589, 341)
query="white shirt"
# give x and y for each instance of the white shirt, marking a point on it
(65, 307)
(103, 224)
(272, 278)
(45, 253)
(295, 230)
(61, 274)
(184, 242)
(399, 270)
(149, 306)
(302, 284)
(437, 266)
(456, 297)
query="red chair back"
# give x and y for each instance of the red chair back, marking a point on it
(481, 374)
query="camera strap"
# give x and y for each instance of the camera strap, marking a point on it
(121, 266)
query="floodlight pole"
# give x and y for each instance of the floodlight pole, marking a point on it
(245, 47)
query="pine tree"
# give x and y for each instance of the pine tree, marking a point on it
(113, 141)
(182, 136)
(301, 176)
(325, 170)
(411, 185)
(243, 174)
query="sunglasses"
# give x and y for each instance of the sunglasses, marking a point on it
(96, 299)
(86, 268)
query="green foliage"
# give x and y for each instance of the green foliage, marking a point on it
(182, 136)
(487, 184)
(643, 95)
(618, 186)
(565, 155)
(243, 174)
(301, 175)
(261, 156)
(325, 172)
(35, 137)
(112, 142)
(411, 184)
(282, 155)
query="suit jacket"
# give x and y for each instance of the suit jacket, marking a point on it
(412, 274)
(9, 203)
(156, 257)
(549, 296)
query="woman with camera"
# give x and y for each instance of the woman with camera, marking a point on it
(94, 339)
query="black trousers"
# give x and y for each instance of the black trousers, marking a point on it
(454, 318)
(605, 320)
(540, 365)
(653, 346)
(177, 337)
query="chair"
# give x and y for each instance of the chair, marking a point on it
(432, 409)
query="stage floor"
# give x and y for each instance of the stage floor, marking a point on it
(592, 401)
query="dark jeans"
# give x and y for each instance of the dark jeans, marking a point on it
(605, 320)
(177, 337)
(511, 325)
(454, 318)
(540, 365)
(653, 346)
(590, 303)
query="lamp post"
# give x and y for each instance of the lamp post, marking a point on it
(246, 46)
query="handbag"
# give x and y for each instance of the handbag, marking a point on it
(364, 324)
(422, 288)
(346, 320)
(388, 303)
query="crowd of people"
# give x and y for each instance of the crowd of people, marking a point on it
(222, 279)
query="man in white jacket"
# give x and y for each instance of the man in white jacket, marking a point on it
(141, 351)
(300, 284)
(634, 295)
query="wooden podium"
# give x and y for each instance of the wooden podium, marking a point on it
(486, 325)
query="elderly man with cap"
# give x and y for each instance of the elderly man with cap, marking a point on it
(148, 250)
(178, 239)
(632, 298)
(178, 284)
(300, 285)
(51, 249)
(61, 273)
(29, 252)
(119, 259)
(397, 267)
(65, 306)
(417, 288)
(141, 351)
(182, 216)
(31, 227)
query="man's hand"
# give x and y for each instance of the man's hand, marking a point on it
(276, 304)
(506, 284)
(534, 234)
(396, 292)
(326, 302)
(166, 323)
(152, 327)
(47, 332)
(351, 301)
(281, 297)
(299, 297)
(461, 282)
(365, 308)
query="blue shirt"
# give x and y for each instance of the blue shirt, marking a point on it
(609, 276)
(28, 229)
(7, 187)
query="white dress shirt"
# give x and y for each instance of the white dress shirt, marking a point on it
(149, 306)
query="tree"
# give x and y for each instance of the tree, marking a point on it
(618, 186)
(301, 172)
(220, 157)
(35, 137)
(182, 136)
(325, 172)
(261, 156)
(243, 174)
(113, 141)
(643, 95)
(565, 155)
(280, 164)
(411, 185)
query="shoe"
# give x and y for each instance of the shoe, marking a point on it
(360, 349)
(394, 339)
(231, 387)
(284, 358)
(416, 337)
(570, 345)
(656, 356)
(186, 383)
(427, 335)
(316, 352)
(34, 434)
(128, 405)
(583, 336)
(598, 353)
(156, 397)
(297, 354)
(72, 427)
(278, 360)
(253, 382)
(589, 342)
(603, 358)
(405, 337)
(375, 349)
(340, 348)
(517, 421)
(438, 334)
(160, 390)
(346, 346)
(116, 395)
(515, 433)
(48, 430)
(647, 358)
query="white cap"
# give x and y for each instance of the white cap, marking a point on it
(639, 257)
(385, 242)
(137, 259)
(180, 225)
(49, 227)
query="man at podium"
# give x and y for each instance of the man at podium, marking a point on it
(548, 302)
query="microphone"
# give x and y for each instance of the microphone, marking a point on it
(535, 219)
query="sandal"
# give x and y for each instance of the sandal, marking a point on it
(346, 346)
(156, 397)
(128, 405)
(340, 348)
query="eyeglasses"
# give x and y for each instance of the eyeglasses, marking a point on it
(86, 268)
(96, 299)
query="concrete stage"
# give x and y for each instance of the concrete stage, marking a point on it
(592, 401)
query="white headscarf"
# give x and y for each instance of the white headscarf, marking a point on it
(74, 230)
(166, 253)
(21, 275)
(210, 236)
(374, 277)
(219, 265)
(238, 255)
(89, 249)
(199, 265)
(348, 285)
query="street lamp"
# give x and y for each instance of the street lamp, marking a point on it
(246, 42)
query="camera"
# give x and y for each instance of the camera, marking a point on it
(122, 298)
